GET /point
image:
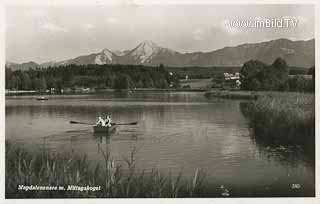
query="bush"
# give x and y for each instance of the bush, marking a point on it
(300, 84)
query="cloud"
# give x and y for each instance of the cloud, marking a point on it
(42, 20)
(198, 34)
(52, 27)
(112, 20)
(87, 26)
(9, 25)
(36, 13)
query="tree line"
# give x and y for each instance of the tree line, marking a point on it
(90, 76)
(258, 76)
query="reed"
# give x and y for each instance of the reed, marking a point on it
(51, 169)
(282, 118)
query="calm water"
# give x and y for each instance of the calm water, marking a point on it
(175, 131)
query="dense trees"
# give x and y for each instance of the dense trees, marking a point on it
(251, 75)
(312, 72)
(300, 84)
(255, 75)
(93, 76)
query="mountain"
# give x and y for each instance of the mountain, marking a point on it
(104, 57)
(296, 53)
(149, 53)
(22, 66)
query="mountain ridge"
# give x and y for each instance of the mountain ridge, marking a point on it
(300, 53)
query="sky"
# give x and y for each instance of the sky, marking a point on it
(53, 33)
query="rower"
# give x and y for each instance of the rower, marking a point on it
(101, 122)
(108, 121)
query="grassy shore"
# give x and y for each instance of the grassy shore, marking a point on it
(283, 118)
(110, 179)
(231, 94)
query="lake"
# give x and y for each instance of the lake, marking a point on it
(176, 131)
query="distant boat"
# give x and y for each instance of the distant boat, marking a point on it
(42, 98)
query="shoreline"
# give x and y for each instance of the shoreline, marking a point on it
(236, 94)
(109, 178)
(33, 92)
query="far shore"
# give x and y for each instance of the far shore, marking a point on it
(34, 92)
(233, 94)
(213, 93)
(240, 94)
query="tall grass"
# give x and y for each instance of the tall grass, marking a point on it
(115, 181)
(228, 94)
(283, 118)
(51, 169)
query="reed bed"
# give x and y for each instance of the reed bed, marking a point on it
(51, 169)
(227, 94)
(114, 181)
(283, 118)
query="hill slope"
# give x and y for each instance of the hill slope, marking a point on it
(296, 53)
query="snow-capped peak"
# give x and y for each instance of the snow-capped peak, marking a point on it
(149, 43)
(107, 53)
(104, 57)
(145, 51)
(119, 52)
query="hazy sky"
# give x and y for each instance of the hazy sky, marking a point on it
(57, 33)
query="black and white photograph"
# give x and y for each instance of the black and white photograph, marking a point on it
(134, 100)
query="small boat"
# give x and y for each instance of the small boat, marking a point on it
(98, 129)
(42, 98)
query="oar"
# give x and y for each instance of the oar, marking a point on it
(77, 122)
(133, 123)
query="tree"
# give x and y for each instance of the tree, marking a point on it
(92, 76)
(248, 74)
(255, 75)
(312, 72)
(161, 68)
(123, 81)
(13, 83)
(43, 84)
(281, 65)
(281, 72)
(8, 78)
(26, 83)
(299, 83)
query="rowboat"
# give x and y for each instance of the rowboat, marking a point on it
(98, 129)
(42, 98)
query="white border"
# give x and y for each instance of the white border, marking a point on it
(150, 2)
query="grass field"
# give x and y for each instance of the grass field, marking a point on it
(197, 83)
(195, 72)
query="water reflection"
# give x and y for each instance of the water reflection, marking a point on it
(175, 131)
(288, 154)
(102, 138)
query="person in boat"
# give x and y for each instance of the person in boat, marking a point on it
(101, 122)
(108, 121)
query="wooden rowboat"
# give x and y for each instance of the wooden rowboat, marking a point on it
(104, 130)
(42, 98)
